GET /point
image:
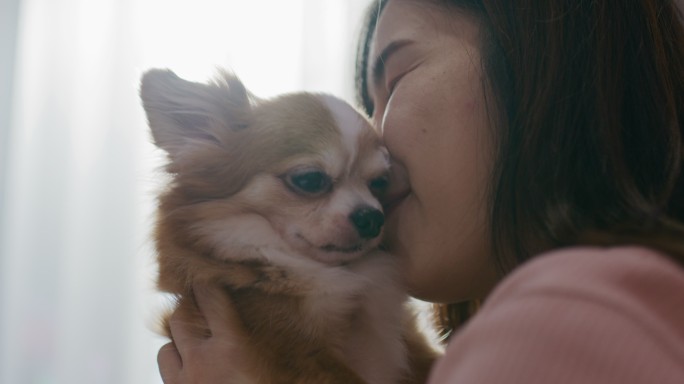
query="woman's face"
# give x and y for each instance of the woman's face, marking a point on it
(425, 80)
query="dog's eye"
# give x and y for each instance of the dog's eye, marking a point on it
(310, 182)
(379, 185)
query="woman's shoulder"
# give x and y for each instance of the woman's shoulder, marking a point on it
(577, 315)
(629, 276)
(641, 285)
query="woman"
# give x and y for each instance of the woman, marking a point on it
(531, 130)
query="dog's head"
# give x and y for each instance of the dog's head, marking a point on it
(308, 166)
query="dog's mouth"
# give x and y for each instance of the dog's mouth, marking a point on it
(334, 248)
(334, 253)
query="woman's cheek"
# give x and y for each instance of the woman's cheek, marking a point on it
(393, 125)
(383, 116)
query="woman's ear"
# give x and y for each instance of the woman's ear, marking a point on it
(183, 114)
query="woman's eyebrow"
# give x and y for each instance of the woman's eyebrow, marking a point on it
(378, 68)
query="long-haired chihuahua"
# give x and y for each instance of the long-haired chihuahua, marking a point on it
(275, 203)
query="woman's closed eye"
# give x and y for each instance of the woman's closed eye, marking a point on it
(391, 64)
(400, 66)
(391, 83)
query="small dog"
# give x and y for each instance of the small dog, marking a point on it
(275, 202)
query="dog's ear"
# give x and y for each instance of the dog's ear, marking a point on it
(182, 114)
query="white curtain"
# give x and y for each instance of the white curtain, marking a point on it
(78, 172)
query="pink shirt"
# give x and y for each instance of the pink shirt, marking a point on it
(579, 315)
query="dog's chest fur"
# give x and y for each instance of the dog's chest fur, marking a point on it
(356, 311)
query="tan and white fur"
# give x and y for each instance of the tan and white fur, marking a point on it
(274, 201)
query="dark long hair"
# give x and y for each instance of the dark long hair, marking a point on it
(589, 132)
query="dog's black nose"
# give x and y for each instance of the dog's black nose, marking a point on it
(368, 221)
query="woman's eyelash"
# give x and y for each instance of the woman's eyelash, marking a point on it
(392, 83)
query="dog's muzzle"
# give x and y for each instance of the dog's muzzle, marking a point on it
(368, 221)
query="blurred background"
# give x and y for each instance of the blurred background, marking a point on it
(78, 173)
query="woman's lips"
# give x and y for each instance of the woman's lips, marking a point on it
(393, 201)
(399, 188)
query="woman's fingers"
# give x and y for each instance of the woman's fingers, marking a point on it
(170, 364)
(188, 329)
(217, 308)
(209, 341)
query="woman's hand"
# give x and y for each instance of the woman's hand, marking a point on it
(200, 357)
